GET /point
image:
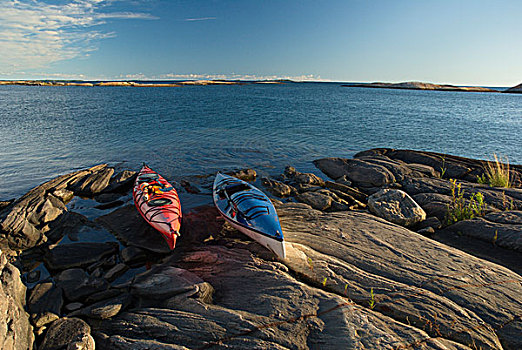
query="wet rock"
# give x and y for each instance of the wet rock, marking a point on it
(70, 225)
(109, 205)
(83, 254)
(501, 228)
(121, 182)
(244, 174)
(133, 256)
(45, 304)
(116, 272)
(164, 282)
(93, 183)
(104, 309)
(130, 229)
(25, 222)
(396, 206)
(107, 197)
(189, 187)
(5, 204)
(68, 333)
(77, 285)
(278, 188)
(15, 331)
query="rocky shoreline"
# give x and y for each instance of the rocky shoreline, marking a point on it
(372, 262)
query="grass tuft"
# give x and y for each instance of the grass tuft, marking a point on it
(496, 174)
(461, 208)
(371, 302)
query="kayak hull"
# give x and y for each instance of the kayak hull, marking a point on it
(250, 211)
(158, 203)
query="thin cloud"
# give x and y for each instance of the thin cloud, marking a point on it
(200, 19)
(34, 34)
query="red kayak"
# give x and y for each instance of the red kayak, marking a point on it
(158, 203)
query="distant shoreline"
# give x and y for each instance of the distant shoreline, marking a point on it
(410, 85)
(135, 83)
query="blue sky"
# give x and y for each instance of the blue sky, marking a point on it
(458, 42)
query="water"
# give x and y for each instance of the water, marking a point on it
(47, 131)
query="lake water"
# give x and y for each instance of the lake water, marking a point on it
(47, 131)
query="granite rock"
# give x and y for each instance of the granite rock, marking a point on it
(15, 330)
(396, 206)
(68, 333)
(45, 303)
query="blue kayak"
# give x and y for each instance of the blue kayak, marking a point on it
(250, 211)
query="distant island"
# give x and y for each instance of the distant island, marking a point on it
(134, 83)
(515, 89)
(416, 85)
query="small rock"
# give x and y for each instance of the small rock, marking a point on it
(302, 178)
(431, 221)
(428, 231)
(164, 282)
(64, 194)
(343, 180)
(189, 187)
(106, 294)
(44, 303)
(244, 174)
(68, 333)
(73, 306)
(33, 276)
(116, 272)
(396, 206)
(97, 273)
(109, 262)
(105, 308)
(77, 285)
(277, 188)
(4, 204)
(44, 318)
(133, 256)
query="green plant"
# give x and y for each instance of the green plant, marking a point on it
(371, 302)
(443, 167)
(496, 174)
(495, 237)
(324, 282)
(461, 208)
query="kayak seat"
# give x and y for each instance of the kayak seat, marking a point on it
(147, 178)
(159, 202)
(231, 189)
